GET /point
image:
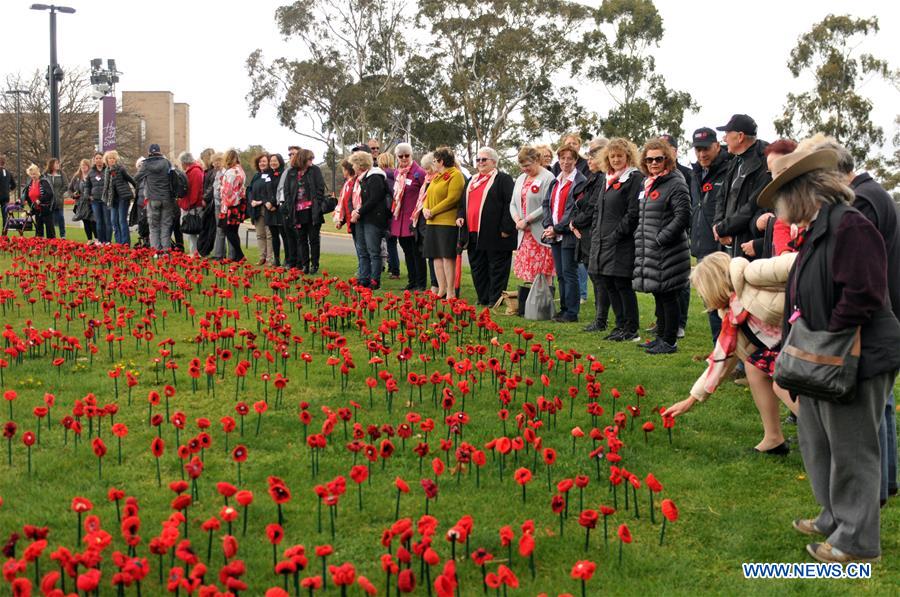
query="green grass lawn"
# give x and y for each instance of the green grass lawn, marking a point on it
(734, 506)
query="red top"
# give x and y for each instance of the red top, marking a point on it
(562, 193)
(194, 197)
(473, 205)
(34, 192)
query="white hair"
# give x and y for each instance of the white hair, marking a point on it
(403, 148)
(186, 157)
(490, 153)
(427, 161)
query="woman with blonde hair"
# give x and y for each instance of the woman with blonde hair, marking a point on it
(37, 194)
(233, 206)
(545, 153)
(611, 259)
(750, 299)
(388, 164)
(533, 257)
(83, 211)
(441, 203)
(118, 193)
(369, 217)
(57, 181)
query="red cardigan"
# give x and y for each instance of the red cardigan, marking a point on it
(194, 197)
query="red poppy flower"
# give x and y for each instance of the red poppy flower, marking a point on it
(260, 406)
(120, 430)
(359, 473)
(406, 581)
(239, 454)
(430, 487)
(80, 504)
(323, 551)
(522, 476)
(157, 446)
(549, 456)
(707, 187)
(607, 511)
(99, 447)
(588, 519)
(654, 195)
(624, 533)
(279, 493)
(654, 485)
(583, 570)
(274, 533)
(181, 502)
(244, 497)
(28, 438)
(401, 485)
(669, 510)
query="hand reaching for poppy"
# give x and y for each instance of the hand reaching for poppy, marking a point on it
(679, 408)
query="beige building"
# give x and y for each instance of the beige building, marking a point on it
(159, 118)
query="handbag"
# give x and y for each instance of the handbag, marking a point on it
(191, 222)
(539, 304)
(819, 364)
(328, 204)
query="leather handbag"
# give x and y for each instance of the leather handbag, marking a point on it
(821, 365)
(191, 222)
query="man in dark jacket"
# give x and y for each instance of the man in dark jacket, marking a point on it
(7, 185)
(706, 181)
(879, 208)
(747, 175)
(161, 207)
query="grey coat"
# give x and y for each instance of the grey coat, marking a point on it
(155, 173)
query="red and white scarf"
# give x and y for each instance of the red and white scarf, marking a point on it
(421, 200)
(650, 180)
(613, 177)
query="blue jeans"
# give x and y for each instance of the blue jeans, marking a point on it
(102, 221)
(567, 276)
(367, 238)
(887, 437)
(118, 215)
(582, 281)
(59, 220)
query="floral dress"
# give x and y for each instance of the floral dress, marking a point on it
(233, 207)
(532, 258)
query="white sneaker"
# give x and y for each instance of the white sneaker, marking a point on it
(680, 333)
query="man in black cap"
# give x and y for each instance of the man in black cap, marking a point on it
(747, 175)
(707, 180)
(161, 208)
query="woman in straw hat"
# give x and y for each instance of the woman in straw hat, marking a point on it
(831, 288)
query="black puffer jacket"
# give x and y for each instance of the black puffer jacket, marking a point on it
(273, 217)
(704, 191)
(583, 216)
(662, 258)
(257, 190)
(45, 199)
(374, 191)
(155, 174)
(93, 184)
(116, 181)
(736, 208)
(615, 220)
(314, 182)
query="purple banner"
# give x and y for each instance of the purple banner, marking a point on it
(108, 123)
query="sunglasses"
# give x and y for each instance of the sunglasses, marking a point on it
(374, 149)
(654, 160)
(479, 160)
(403, 155)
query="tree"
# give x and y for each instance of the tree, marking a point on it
(828, 52)
(356, 49)
(615, 53)
(492, 66)
(77, 119)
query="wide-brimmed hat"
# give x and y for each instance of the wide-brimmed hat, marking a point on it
(789, 166)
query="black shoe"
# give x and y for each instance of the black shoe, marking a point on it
(648, 344)
(628, 337)
(615, 335)
(662, 347)
(313, 270)
(595, 327)
(781, 449)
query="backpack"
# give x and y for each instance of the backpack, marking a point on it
(178, 183)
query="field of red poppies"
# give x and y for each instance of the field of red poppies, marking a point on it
(182, 426)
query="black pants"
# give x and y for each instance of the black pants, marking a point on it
(3, 205)
(43, 224)
(602, 302)
(277, 233)
(289, 234)
(416, 268)
(623, 300)
(684, 303)
(667, 313)
(89, 229)
(178, 243)
(490, 272)
(308, 246)
(234, 239)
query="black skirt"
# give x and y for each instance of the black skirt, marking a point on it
(440, 242)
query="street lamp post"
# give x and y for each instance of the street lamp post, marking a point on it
(54, 75)
(18, 93)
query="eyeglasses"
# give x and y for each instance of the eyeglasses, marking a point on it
(403, 155)
(479, 160)
(655, 160)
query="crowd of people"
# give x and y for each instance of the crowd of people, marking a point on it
(789, 238)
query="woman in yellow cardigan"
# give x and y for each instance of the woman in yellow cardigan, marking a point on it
(441, 202)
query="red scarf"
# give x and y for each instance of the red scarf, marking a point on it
(562, 195)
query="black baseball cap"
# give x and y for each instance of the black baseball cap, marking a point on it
(361, 147)
(704, 137)
(740, 123)
(154, 148)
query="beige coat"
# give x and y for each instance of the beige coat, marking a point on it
(759, 286)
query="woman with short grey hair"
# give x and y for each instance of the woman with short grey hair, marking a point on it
(409, 178)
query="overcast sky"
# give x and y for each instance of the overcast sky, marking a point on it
(729, 55)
